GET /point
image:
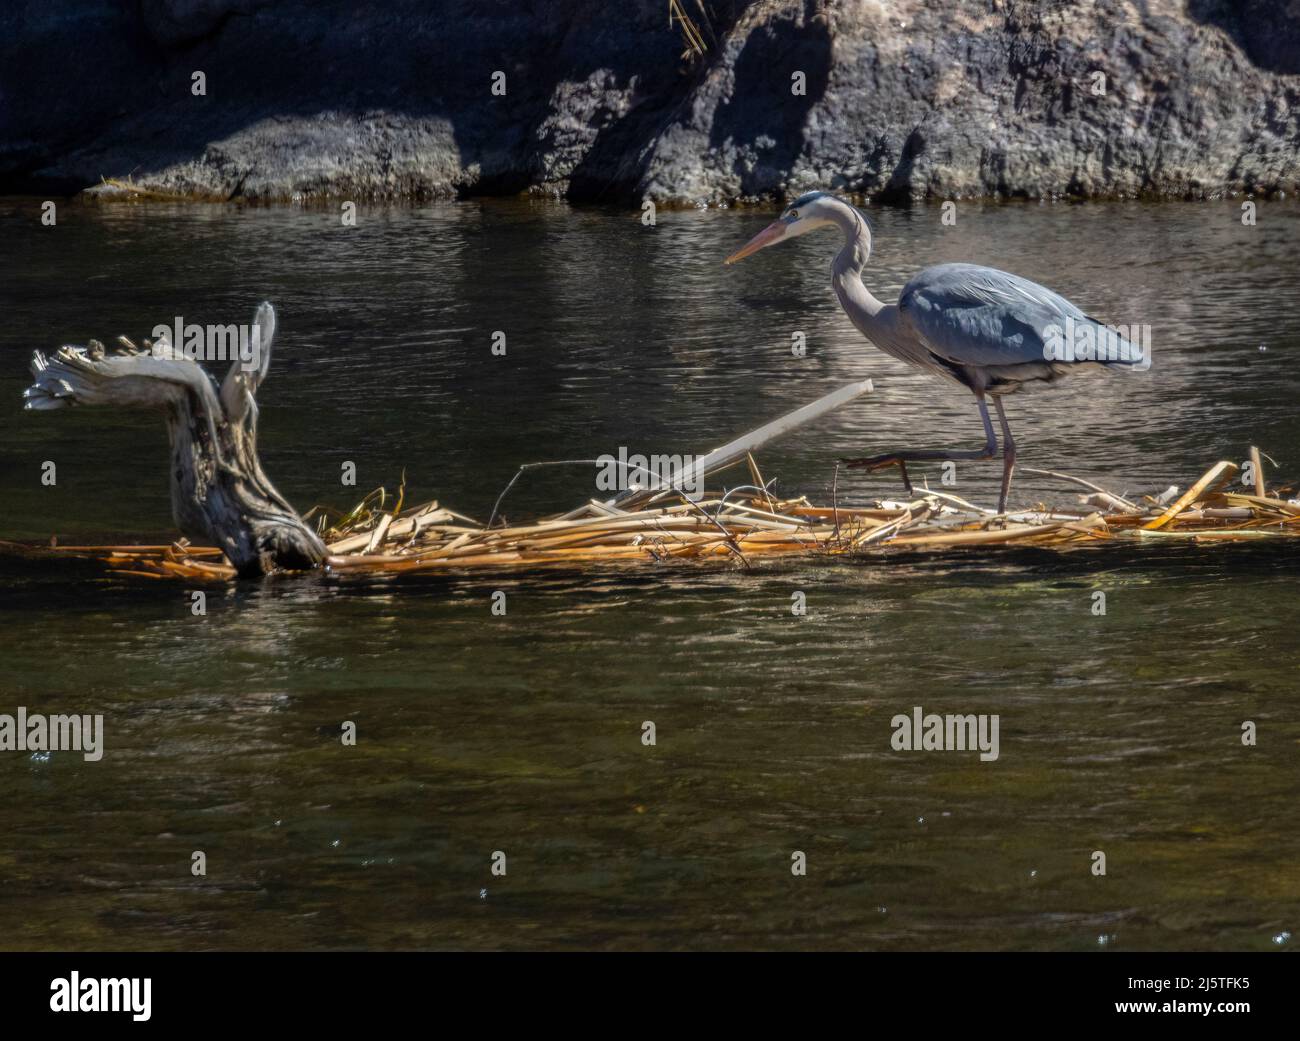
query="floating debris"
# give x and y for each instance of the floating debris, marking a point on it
(667, 517)
(668, 526)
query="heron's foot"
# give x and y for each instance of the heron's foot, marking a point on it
(872, 462)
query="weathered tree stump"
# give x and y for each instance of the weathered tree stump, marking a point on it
(219, 490)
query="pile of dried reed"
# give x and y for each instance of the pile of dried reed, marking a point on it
(666, 526)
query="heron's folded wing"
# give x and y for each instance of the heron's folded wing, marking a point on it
(972, 315)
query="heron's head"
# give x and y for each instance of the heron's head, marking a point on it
(807, 213)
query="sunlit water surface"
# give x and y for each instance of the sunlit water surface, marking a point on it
(522, 734)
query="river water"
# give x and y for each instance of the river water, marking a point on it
(1119, 733)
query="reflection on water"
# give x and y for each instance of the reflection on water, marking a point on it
(522, 734)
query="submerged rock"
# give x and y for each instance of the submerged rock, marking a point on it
(896, 99)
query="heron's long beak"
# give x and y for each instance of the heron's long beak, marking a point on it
(770, 235)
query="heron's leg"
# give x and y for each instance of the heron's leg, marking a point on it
(1008, 455)
(904, 456)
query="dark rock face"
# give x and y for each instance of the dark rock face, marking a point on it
(898, 100)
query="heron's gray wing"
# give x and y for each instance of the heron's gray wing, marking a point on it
(972, 315)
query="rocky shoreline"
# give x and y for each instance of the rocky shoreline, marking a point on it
(894, 100)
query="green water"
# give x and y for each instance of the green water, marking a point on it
(523, 734)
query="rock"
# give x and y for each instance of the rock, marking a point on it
(174, 22)
(901, 101)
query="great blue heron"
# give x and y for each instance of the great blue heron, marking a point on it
(987, 330)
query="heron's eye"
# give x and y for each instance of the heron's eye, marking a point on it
(794, 214)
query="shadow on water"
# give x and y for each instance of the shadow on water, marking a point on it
(70, 585)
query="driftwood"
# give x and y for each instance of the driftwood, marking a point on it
(733, 451)
(219, 491)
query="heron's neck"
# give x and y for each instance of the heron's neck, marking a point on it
(863, 309)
